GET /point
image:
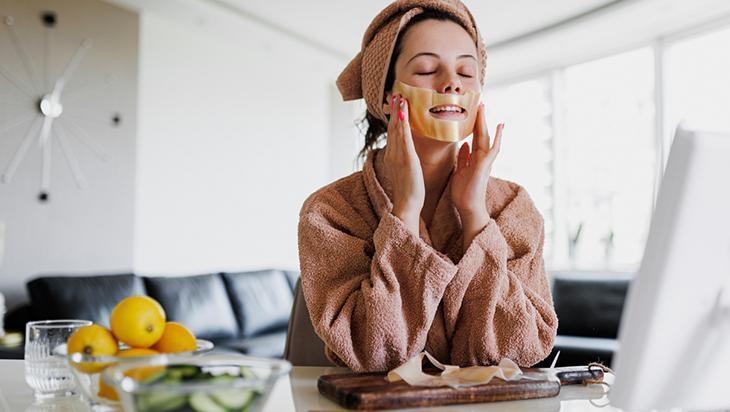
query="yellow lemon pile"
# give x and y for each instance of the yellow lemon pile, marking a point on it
(138, 322)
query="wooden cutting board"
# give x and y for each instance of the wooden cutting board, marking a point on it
(373, 391)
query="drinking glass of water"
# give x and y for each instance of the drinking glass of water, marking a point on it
(46, 374)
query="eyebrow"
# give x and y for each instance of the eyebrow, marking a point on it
(437, 56)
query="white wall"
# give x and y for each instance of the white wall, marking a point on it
(78, 231)
(235, 128)
(234, 132)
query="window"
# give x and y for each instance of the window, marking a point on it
(698, 83)
(609, 159)
(582, 141)
(526, 155)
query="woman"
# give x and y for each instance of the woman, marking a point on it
(422, 249)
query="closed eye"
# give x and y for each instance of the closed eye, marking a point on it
(426, 73)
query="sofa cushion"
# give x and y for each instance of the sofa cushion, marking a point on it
(590, 305)
(269, 345)
(80, 297)
(292, 276)
(198, 302)
(261, 300)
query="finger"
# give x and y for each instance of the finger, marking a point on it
(494, 150)
(481, 137)
(391, 136)
(462, 160)
(405, 126)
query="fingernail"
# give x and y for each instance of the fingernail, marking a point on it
(400, 114)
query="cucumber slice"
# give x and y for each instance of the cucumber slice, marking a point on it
(247, 373)
(190, 371)
(160, 401)
(221, 378)
(234, 399)
(202, 403)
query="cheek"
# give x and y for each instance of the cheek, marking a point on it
(418, 81)
(473, 85)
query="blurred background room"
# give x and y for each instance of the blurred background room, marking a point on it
(187, 134)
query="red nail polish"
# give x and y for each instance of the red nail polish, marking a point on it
(400, 114)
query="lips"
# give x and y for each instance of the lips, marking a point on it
(448, 112)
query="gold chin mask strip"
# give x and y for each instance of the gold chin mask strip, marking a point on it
(425, 123)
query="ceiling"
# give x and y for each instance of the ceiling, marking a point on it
(340, 24)
(337, 26)
(561, 32)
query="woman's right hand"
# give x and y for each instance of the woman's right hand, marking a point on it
(403, 167)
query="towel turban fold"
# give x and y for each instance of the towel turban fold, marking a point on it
(364, 77)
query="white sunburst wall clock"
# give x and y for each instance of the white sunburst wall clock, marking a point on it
(41, 91)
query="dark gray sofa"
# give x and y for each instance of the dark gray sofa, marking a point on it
(589, 306)
(246, 312)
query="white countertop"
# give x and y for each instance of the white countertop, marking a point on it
(298, 391)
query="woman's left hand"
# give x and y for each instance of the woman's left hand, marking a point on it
(469, 183)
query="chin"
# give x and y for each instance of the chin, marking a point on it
(427, 141)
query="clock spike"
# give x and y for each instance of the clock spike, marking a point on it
(15, 82)
(70, 69)
(17, 123)
(9, 23)
(46, 58)
(82, 137)
(46, 163)
(68, 153)
(20, 153)
(43, 137)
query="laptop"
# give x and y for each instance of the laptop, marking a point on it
(675, 331)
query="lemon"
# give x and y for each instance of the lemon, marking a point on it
(106, 391)
(138, 321)
(176, 338)
(92, 340)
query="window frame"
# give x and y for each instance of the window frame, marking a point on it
(662, 133)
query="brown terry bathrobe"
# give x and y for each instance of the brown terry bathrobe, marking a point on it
(378, 295)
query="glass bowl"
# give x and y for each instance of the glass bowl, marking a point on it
(89, 383)
(227, 383)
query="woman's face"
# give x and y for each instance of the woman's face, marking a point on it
(438, 55)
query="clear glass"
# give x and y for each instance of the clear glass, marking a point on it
(46, 374)
(610, 158)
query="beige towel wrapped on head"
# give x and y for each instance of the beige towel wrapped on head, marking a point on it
(364, 76)
(378, 295)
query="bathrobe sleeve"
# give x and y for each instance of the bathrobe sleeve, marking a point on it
(499, 304)
(372, 296)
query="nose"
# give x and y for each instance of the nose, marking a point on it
(452, 84)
